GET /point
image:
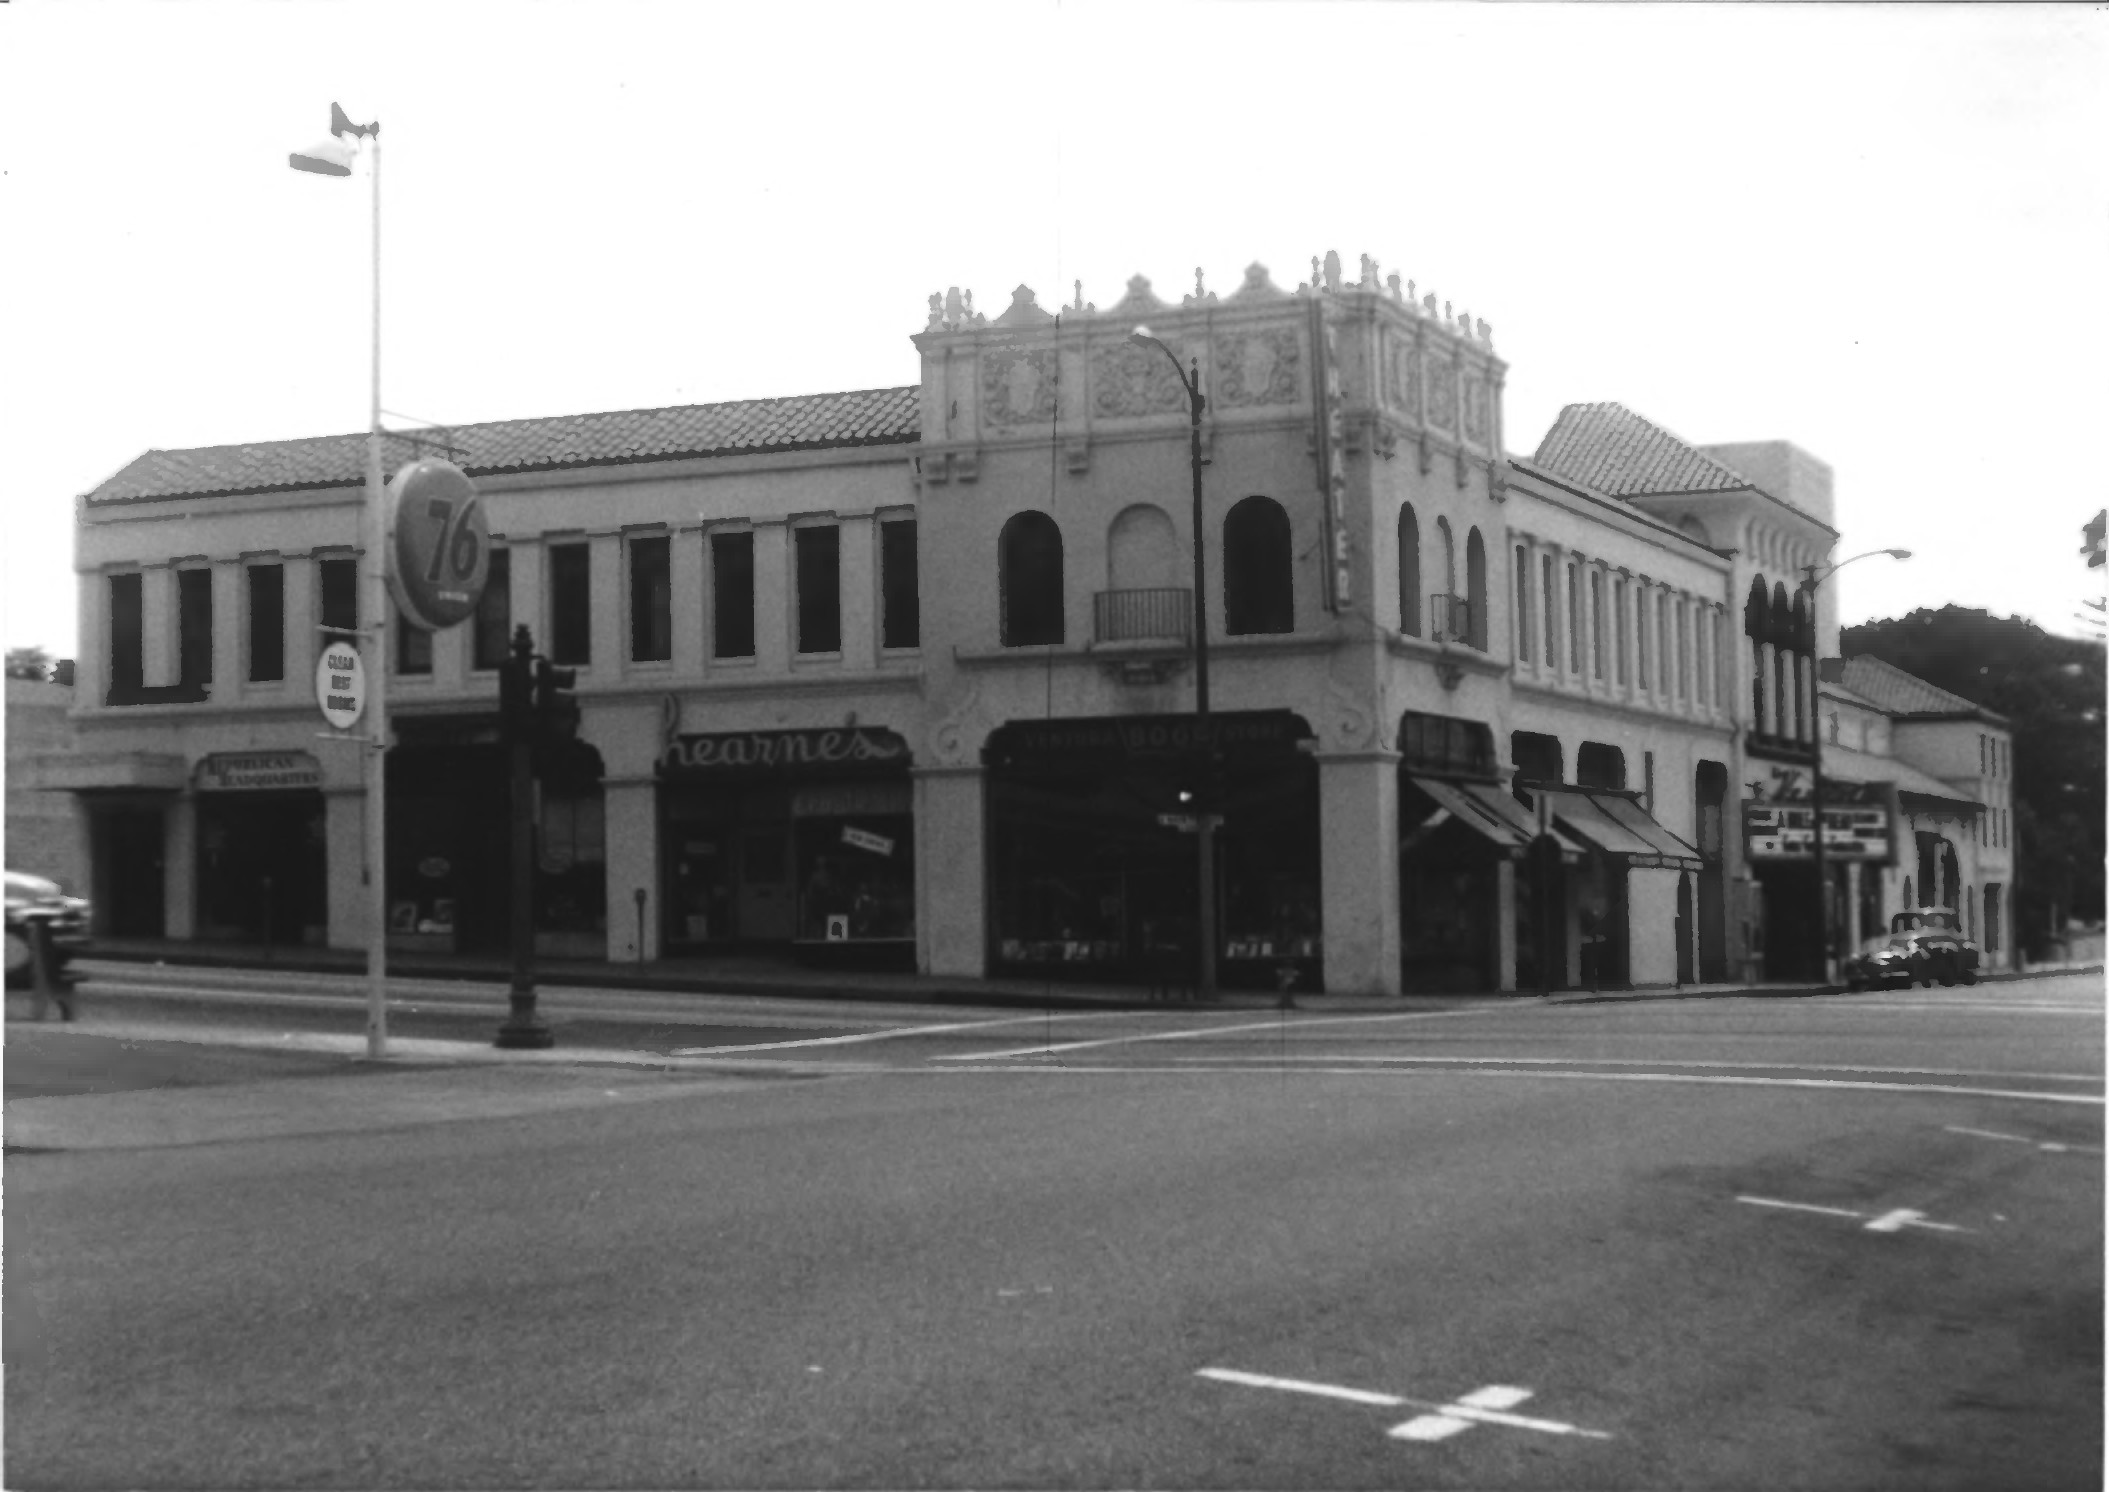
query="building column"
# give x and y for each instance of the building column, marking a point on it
(230, 623)
(344, 840)
(160, 642)
(775, 617)
(690, 618)
(951, 870)
(179, 867)
(860, 591)
(1358, 836)
(631, 807)
(1505, 924)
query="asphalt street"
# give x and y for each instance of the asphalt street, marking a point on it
(1830, 1242)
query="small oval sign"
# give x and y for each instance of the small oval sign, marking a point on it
(442, 548)
(340, 685)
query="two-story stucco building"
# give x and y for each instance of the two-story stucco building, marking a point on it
(908, 675)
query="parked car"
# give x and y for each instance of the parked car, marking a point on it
(1923, 944)
(35, 899)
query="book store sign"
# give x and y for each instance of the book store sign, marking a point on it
(340, 685)
(257, 771)
(1784, 831)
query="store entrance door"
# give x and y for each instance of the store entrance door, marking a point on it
(766, 910)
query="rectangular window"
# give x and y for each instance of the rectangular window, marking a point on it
(1984, 755)
(1522, 604)
(1618, 622)
(1596, 622)
(819, 589)
(1684, 652)
(267, 623)
(494, 614)
(1574, 618)
(651, 599)
(127, 635)
(900, 609)
(194, 625)
(570, 604)
(340, 598)
(1665, 662)
(413, 646)
(1642, 635)
(732, 595)
(1551, 588)
(1702, 653)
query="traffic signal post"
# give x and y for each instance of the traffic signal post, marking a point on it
(531, 694)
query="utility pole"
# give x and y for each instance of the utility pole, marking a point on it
(518, 727)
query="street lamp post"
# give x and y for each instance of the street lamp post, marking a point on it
(334, 158)
(1205, 819)
(1810, 581)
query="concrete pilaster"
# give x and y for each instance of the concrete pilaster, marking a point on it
(951, 902)
(343, 831)
(605, 564)
(179, 866)
(161, 637)
(1358, 834)
(860, 592)
(303, 641)
(1505, 924)
(689, 613)
(230, 625)
(774, 621)
(632, 808)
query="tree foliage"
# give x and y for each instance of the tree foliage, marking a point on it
(2050, 689)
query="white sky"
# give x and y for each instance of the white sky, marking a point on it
(1877, 232)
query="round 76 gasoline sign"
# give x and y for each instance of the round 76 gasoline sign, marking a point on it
(441, 555)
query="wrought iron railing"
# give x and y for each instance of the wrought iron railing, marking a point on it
(1164, 614)
(1449, 619)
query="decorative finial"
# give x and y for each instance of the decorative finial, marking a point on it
(1410, 295)
(952, 311)
(1428, 303)
(1486, 334)
(1332, 269)
(937, 311)
(1079, 295)
(1198, 291)
(1317, 278)
(1448, 317)
(1391, 283)
(1369, 273)
(969, 295)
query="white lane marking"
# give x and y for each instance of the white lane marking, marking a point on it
(1482, 1406)
(1304, 1386)
(1697, 1079)
(1801, 1207)
(2055, 1147)
(1676, 1062)
(888, 1034)
(1904, 1217)
(1971, 1007)
(1206, 1031)
(1888, 1222)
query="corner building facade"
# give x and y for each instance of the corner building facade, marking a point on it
(905, 677)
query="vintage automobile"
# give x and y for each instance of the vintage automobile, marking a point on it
(32, 899)
(1922, 945)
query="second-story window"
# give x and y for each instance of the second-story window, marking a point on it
(267, 623)
(1549, 609)
(651, 599)
(732, 595)
(127, 636)
(1574, 617)
(339, 581)
(570, 604)
(194, 625)
(1257, 580)
(1619, 628)
(1521, 625)
(1029, 575)
(494, 613)
(1643, 635)
(1596, 623)
(819, 588)
(900, 609)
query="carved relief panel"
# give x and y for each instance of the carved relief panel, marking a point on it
(1131, 380)
(1442, 393)
(1260, 367)
(1019, 388)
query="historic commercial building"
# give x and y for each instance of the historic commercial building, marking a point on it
(907, 676)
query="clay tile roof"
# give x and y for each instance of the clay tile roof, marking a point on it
(1900, 693)
(1614, 450)
(801, 422)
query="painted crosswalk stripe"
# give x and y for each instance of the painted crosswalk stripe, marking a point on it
(1485, 1406)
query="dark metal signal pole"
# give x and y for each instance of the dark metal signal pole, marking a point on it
(523, 1026)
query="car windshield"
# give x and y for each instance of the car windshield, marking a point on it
(1935, 921)
(1882, 942)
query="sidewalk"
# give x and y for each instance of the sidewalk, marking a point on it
(762, 975)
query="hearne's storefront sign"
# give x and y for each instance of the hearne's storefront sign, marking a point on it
(257, 771)
(781, 750)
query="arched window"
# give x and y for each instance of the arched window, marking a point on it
(1409, 571)
(1757, 616)
(1804, 669)
(1257, 584)
(1781, 636)
(1029, 563)
(1476, 591)
(1599, 765)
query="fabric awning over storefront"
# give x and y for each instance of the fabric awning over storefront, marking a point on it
(1619, 826)
(1491, 812)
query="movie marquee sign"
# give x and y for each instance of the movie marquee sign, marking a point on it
(1779, 819)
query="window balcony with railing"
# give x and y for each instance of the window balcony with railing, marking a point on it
(1450, 619)
(1162, 614)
